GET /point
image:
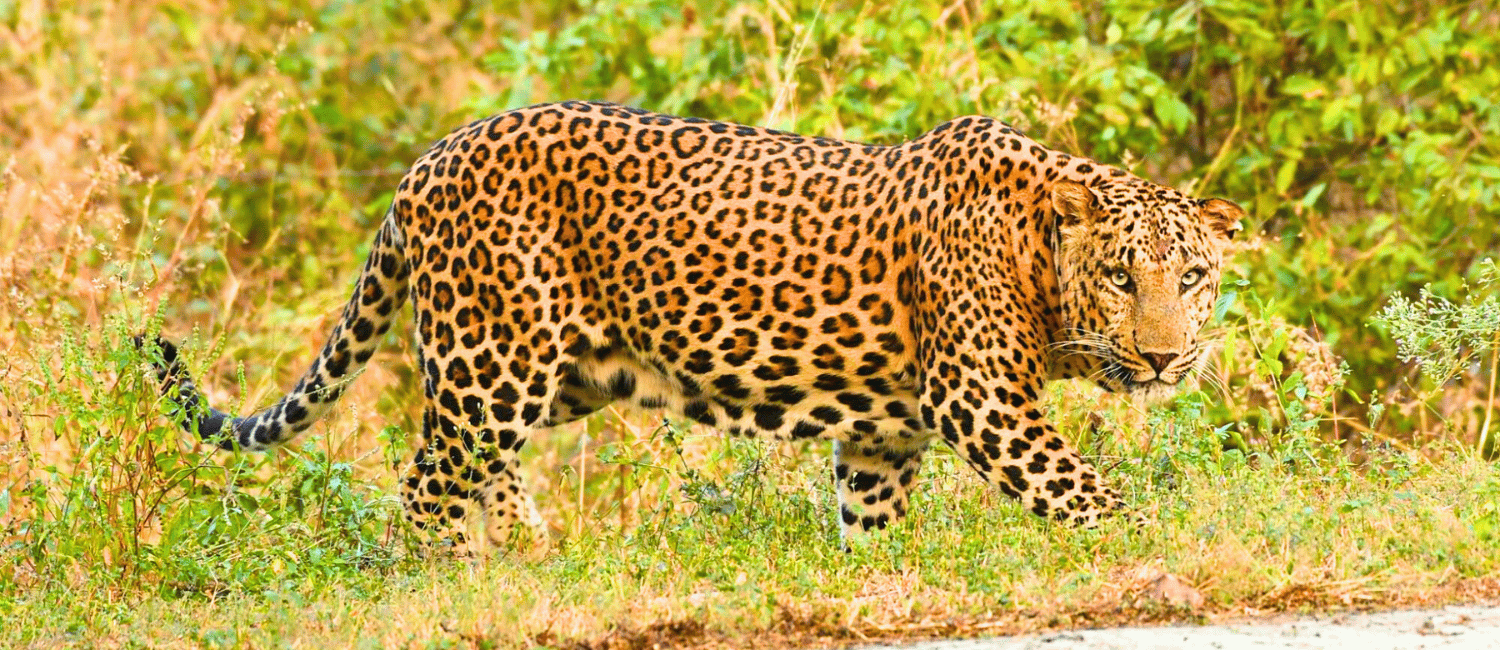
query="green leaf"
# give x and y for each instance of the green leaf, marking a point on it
(1174, 114)
(1285, 175)
(1313, 194)
(1303, 86)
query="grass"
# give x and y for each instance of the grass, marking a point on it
(213, 170)
(760, 558)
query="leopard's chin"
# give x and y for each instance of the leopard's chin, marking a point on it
(1155, 391)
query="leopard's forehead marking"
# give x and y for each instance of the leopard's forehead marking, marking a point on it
(1153, 223)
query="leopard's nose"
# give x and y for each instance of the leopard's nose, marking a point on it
(1159, 360)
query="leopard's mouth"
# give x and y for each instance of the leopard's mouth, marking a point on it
(1116, 376)
(1155, 390)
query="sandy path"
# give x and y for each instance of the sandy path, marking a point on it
(1447, 628)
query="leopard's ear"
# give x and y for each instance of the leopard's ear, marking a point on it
(1222, 216)
(1073, 202)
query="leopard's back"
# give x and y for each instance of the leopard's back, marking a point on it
(750, 279)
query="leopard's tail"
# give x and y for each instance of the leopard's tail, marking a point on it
(378, 296)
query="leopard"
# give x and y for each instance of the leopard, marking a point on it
(563, 257)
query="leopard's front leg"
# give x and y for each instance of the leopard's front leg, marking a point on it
(1013, 446)
(983, 389)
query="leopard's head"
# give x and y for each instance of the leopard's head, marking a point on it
(1139, 268)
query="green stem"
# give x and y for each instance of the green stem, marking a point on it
(1487, 448)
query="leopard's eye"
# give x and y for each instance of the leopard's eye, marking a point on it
(1120, 278)
(1191, 278)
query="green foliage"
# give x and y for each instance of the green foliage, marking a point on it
(1442, 336)
(135, 507)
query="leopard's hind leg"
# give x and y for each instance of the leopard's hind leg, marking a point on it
(491, 380)
(438, 491)
(873, 482)
(487, 403)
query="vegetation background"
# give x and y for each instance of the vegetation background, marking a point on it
(215, 169)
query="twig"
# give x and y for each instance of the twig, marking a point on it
(1486, 434)
(583, 468)
(788, 74)
(1222, 155)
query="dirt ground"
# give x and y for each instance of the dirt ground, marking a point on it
(1448, 628)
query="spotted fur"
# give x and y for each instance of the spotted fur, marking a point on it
(562, 257)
